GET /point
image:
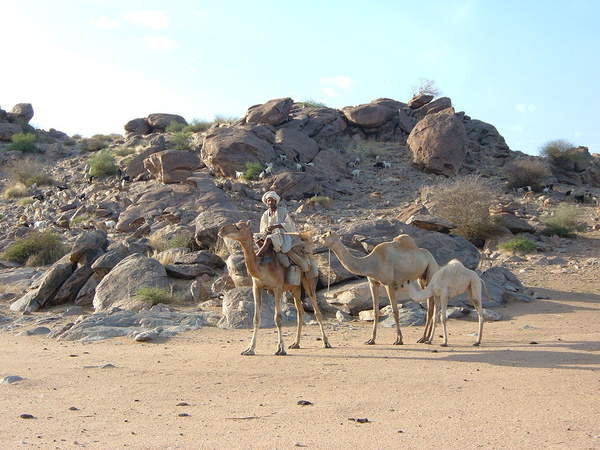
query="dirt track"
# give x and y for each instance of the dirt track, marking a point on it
(507, 394)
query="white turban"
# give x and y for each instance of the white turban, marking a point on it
(270, 194)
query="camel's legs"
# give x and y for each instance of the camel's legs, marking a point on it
(443, 304)
(257, 293)
(310, 288)
(427, 334)
(280, 347)
(391, 292)
(475, 291)
(374, 287)
(434, 316)
(300, 315)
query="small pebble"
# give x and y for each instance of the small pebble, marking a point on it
(73, 408)
(183, 415)
(26, 416)
(304, 403)
(533, 342)
(183, 404)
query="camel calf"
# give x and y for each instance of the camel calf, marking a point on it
(451, 280)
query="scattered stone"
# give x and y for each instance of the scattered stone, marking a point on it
(182, 404)
(11, 379)
(183, 415)
(73, 408)
(26, 416)
(304, 403)
(533, 343)
(35, 331)
(359, 420)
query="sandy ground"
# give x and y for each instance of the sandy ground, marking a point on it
(509, 393)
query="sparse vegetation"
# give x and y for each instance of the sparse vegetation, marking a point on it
(28, 172)
(197, 126)
(36, 249)
(220, 119)
(16, 190)
(464, 201)
(122, 151)
(321, 200)
(518, 244)
(310, 103)
(79, 220)
(564, 221)
(179, 240)
(25, 201)
(181, 140)
(564, 154)
(168, 257)
(174, 127)
(367, 149)
(253, 169)
(426, 87)
(526, 172)
(95, 143)
(102, 164)
(23, 142)
(155, 295)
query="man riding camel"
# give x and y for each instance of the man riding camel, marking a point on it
(277, 231)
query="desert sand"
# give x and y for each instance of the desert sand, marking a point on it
(509, 393)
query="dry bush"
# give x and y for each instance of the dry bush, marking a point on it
(466, 202)
(16, 190)
(321, 200)
(180, 240)
(426, 87)
(526, 172)
(564, 154)
(166, 258)
(564, 221)
(29, 171)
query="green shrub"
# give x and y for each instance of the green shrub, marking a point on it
(96, 143)
(122, 151)
(102, 164)
(181, 140)
(526, 172)
(79, 220)
(465, 201)
(76, 136)
(321, 200)
(564, 222)
(253, 169)
(174, 127)
(564, 154)
(310, 103)
(518, 244)
(154, 295)
(197, 126)
(220, 119)
(38, 248)
(24, 142)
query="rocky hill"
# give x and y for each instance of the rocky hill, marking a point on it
(137, 215)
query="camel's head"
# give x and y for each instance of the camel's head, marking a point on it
(328, 239)
(237, 231)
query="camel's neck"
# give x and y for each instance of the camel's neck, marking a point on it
(250, 259)
(363, 266)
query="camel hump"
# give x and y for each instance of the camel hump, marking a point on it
(405, 241)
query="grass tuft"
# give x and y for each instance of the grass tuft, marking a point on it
(518, 244)
(38, 248)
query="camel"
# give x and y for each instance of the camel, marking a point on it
(268, 273)
(452, 279)
(389, 264)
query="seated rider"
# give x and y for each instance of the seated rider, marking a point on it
(275, 223)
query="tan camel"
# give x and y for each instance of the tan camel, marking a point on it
(389, 264)
(268, 274)
(452, 279)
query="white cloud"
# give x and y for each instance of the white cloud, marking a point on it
(340, 82)
(150, 18)
(525, 107)
(105, 23)
(330, 92)
(160, 43)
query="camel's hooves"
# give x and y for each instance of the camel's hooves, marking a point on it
(370, 342)
(443, 345)
(294, 346)
(427, 342)
(280, 352)
(327, 345)
(398, 342)
(422, 341)
(476, 344)
(248, 352)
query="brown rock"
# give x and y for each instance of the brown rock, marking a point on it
(293, 185)
(370, 115)
(160, 121)
(8, 129)
(438, 143)
(172, 166)
(419, 100)
(138, 127)
(431, 223)
(273, 112)
(296, 145)
(22, 112)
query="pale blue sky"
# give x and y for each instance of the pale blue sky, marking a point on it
(530, 68)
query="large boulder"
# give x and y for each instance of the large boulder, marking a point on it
(7, 130)
(439, 104)
(49, 285)
(331, 270)
(293, 185)
(228, 149)
(236, 268)
(137, 127)
(419, 100)
(172, 166)
(370, 115)
(121, 286)
(22, 113)
(160, 121)
(70, 288)
(273, 112)
(319, 123)
(296, 145)
(238, 310)
(438, 143)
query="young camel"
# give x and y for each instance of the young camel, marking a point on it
(268, 274)
(388, 264)
(452, 279)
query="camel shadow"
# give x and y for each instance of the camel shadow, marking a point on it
(584, 297)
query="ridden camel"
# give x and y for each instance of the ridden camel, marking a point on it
(452, 279)
(389, 264)
(268, 274)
